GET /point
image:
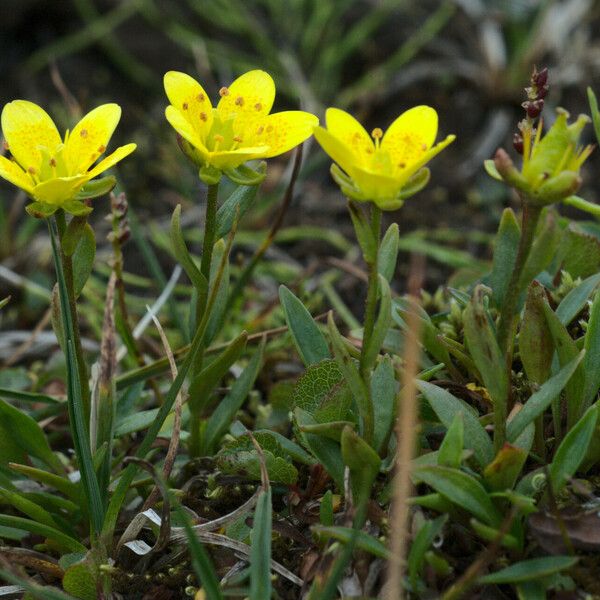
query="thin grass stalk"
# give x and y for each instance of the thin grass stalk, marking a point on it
(406, 434)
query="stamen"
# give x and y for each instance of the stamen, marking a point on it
(32, 170)
(52, 163)
(238, 140)
(239, 101)
(376, 134)
(224, 91)
(203, 117)
(258, 106)
(83, 133)
(185, 106)
(218, 139)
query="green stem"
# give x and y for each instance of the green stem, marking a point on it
(67, 264)
(369, 318)
(506, 323)
(208, 244)
(210, 232)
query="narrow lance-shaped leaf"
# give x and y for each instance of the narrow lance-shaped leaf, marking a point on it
(382, 324)
(388, 252)
(572, 449)
(308, 339)
(591, 363)
(450, 452)
(505, 254)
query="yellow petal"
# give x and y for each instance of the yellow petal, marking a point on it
(90, 137)
(229, 159)
(412, 168)
(189, 98)
(59, 190)
(250, 95)
(26, 126)
(376, 186)
(410, 136)
(283, 131)
(12, 172)
(337, 151)
(184, 128)
(350, 133)
(112, 159)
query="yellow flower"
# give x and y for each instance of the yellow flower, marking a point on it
(50, 169)
(239, 129)
(385, 169)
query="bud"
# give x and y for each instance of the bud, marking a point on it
(518, 143)
(540, 78)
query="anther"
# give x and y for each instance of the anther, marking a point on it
(203, 116)
(52, 162)
(377, 133)
(185, 106)
(83, 133)
(258, 106)
(239, 101)
(224, 91)
(31, 170)
(218, 138)
(237, 139)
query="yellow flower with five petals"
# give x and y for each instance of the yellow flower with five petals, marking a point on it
(385, 169)
(240, 128)
(54, 170)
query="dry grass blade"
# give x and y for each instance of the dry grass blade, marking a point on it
(174, 442)
(406, 435)
(28, 343)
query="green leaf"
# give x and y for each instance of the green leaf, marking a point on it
(594, 110)
(450, 452)
(204, 383)
(528, 570)
(535, 340)
(485, 351)
(501, 474)
(201, 561)
(72, 235)
(323, 392)
(461, 489)
(382, 325)
(574, 302)
(28, 435)
(97, 188)
(217, 314)
(64, 541)
(27, 507)
(77, 208)
(542, 250)
(326, 509)
(62, 484)
(362, 461)
(260, 550)
(388, 252)
(326, 451)
(579, 252)
(364, 541)
(567, 351)
(490, 534)
(40, 210)
(79, 581)
(240, 456)
(539, 401)
(235, 207)
(505, 254)
(446, 407)
(183, 256)
(491, 170)
(421, 543)
(223, 415)
(83, 259)
(383, 391)
(308, 339)
(572, 449)
(591, 362)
